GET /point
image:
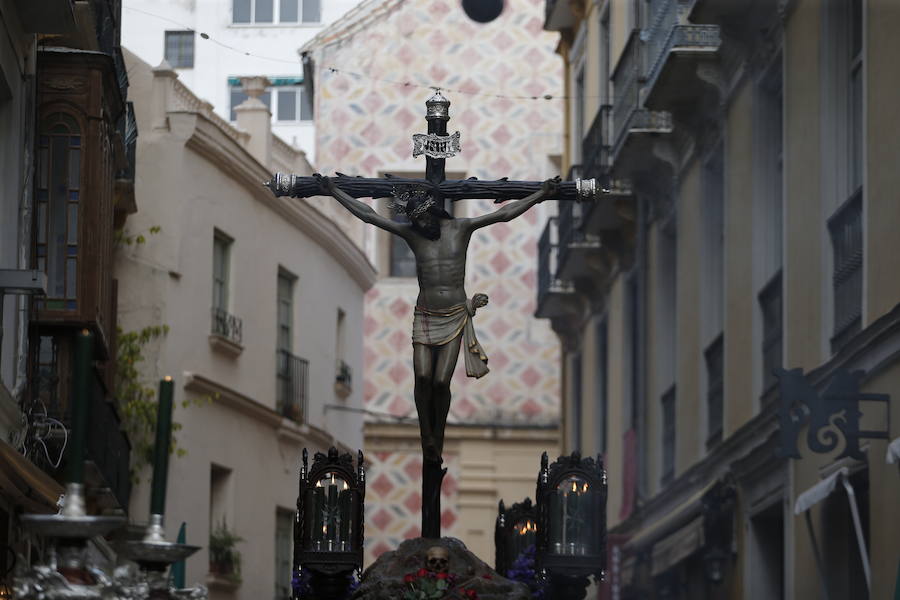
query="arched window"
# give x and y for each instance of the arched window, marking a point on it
(58, 189)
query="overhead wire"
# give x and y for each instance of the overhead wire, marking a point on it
(339, 70)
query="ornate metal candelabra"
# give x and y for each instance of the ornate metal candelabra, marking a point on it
(571, 536)
(328, 538)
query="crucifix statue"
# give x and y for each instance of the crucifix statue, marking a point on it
(443, 314)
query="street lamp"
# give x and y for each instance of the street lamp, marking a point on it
(571, 533)
(514, 533)
(328, 538)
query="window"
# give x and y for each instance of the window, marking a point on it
(843, 154)
(666, 310)
(57, 210)
(668, 436)
(579, 117)
(713, 243)
(221, 259)
(846, 229)
(772, 329)
(285, 309)
(768, 232)
(180, 49)
(220, 512)
(288, 103)
(289, 11)
(632, 342)
(577, 403)
(294, 104)
(403, 261)
(284, 553)
(238, 97)
(605, 52)
(714, 391)
(601, 374)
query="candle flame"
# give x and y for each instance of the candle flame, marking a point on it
(346, 487)
(585, 488)
(574, 487)
(167, 378)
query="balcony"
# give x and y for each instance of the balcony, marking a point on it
(632, 124)
(595, 147)
(292, 379)
(554, 295)
(226, 334)
(674, 49)
(107, 449)
(46, 16)
(580, 253)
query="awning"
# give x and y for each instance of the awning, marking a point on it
(675, 518)
(893, 452)
(678, 546)
(25, 483)
(818, 492)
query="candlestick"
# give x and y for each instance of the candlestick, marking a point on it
(161, 447)
(80, 403)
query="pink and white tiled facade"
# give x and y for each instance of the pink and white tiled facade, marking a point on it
(365, 118)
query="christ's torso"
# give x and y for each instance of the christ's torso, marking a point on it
(441, 265)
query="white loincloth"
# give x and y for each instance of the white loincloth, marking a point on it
(441, 326)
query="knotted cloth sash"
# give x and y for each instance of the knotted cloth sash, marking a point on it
(436, 327)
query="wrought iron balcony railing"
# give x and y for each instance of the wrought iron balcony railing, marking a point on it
(667, 32)
(292, 378)
(550, 287)
(227, 326)
(571, 230)
(595, 146)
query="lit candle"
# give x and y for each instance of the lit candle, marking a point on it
(317, 520)
(332, 512)
(80, 403)
(344, 502)
(161, 447)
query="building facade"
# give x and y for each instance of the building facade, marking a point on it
(261, 302)
(242, 38)
(751, 226)
(372, 72)
(66, 165)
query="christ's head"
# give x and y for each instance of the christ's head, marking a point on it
(423, 209)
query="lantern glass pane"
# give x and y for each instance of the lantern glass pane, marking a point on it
(332, 507)
(574, 507)
(522, 537)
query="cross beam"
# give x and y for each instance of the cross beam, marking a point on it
(500, 190)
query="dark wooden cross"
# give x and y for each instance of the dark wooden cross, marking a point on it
(437, 146)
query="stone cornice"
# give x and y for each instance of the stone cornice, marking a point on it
(287, 430)
(208, 140)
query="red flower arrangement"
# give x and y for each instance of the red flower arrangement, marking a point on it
(427, 585)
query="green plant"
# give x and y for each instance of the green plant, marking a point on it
(124, 237)
(224, 558)
(137, 400)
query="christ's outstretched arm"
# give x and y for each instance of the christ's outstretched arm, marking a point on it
(361, 210)
(516, 208)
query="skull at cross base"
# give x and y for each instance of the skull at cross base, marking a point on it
(437, 559)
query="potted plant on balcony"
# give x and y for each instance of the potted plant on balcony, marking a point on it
(224, 558)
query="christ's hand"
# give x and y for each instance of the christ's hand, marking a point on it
(325, 183)
(550, 187)
(479, 300)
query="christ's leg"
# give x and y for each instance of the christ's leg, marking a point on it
(423, 365)
(445, 364)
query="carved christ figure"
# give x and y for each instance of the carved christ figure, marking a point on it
(443, 313)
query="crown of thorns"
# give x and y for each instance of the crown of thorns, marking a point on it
(412, 201)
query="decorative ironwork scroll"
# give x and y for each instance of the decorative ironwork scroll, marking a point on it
(833, 415)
